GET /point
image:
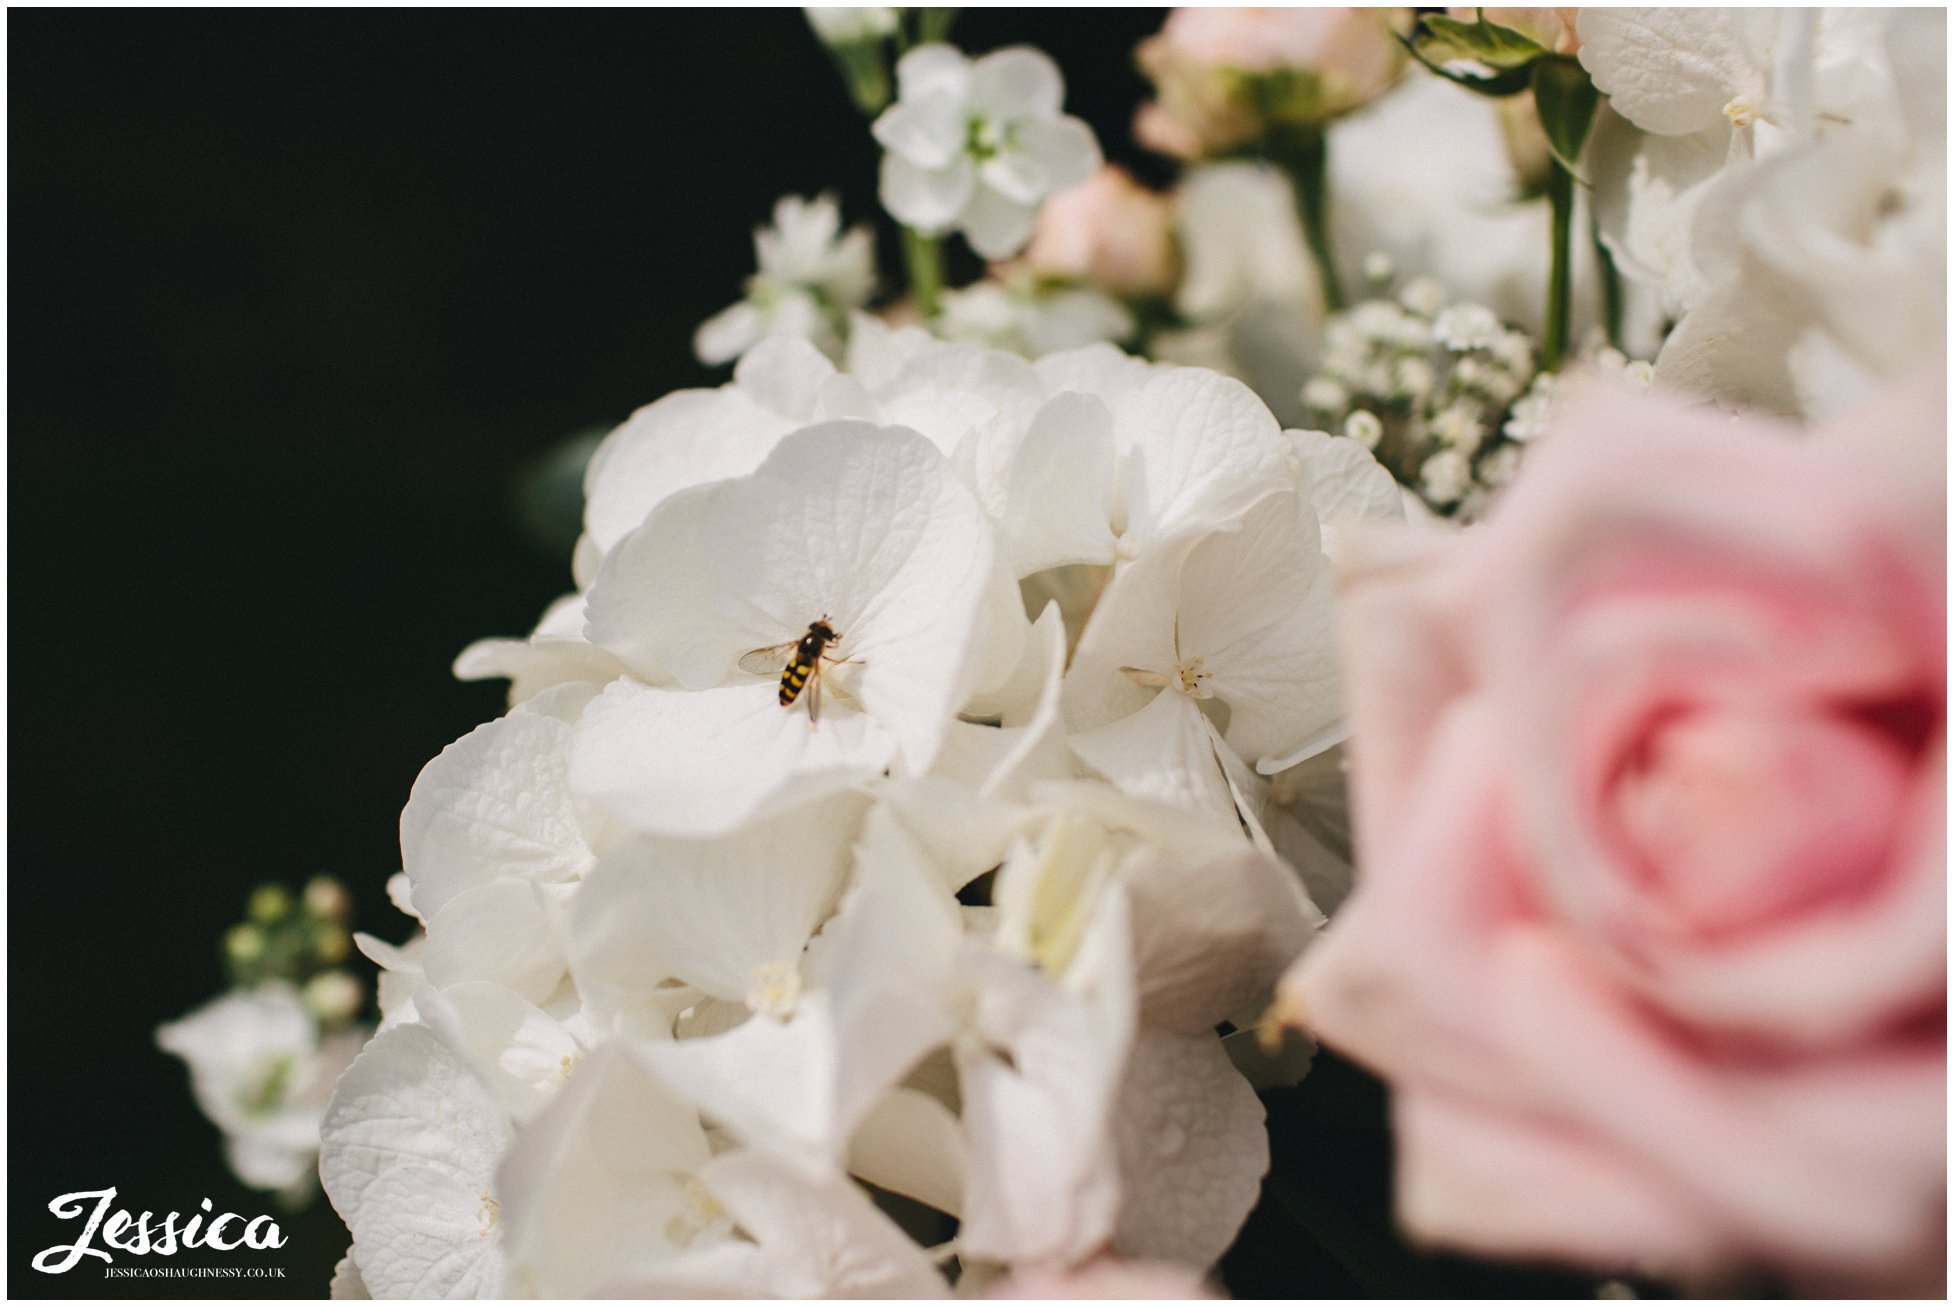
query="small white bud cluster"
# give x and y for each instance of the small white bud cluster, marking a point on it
(1444, 393)
(1428, 385)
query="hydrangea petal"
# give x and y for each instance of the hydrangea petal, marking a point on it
(1191, 1146)
(603, 1179)
(407, 1154)
(497, 803)
(504, 932)
(1198, 448)
(698, 765)
(723, 915)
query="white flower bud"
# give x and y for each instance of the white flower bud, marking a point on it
(1364, 427)
(1326, 395)
(845, 25)
(1528, 420)
(1514, 352)
(1462, 327)
(1412, 378)
(326, 897)
(1458, 426)
(1445, 476)
(1424, 296)
(1500, 466)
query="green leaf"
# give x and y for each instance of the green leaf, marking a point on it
(1444, 44)
(1566, 99)
(1499, 48)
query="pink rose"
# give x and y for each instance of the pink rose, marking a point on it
(1108, 230)
(1650, 929)
(1313, 65)
(1352, 42)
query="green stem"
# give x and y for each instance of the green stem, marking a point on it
(934, 25)
(865, 71)
(1560, 198)
(1305, 155)
(923, 255)
(1611, 288)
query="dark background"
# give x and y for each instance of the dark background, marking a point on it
(297, 298)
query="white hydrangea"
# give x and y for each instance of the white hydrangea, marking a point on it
(690, 962)
(261, 1070)
(976, 145)
(811, 275)
(1775, 185)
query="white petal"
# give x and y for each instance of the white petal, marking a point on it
(823, 1237)
(927, 130)
(408, 1155)
(346, 1282)
(928, 199)
(1018, 82)
(503, 932)
(1192, 1150)
(867, 526)
(1345, 483)
(699, 764)
(511, 1044)
(911, 1144)
(729, 333)
(1198, 448)
(1065, 149)
(598, 1183)
(1049, 484)
(1104, 371)
(1016, 175)
(497, 803)
(1004, 761)
(996, 225)
(1043, 1176)
(932, 68)
(1256, 607)
(1131, 627)
(785, 375)
(1162, 753)
(1668, 71)
(804, 1085)
(954, 390)
(685, 439)
(715, 913)
(1211, 934)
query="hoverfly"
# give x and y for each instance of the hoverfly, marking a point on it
(806, 659)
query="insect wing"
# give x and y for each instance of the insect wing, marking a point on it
(814, 693)
(771, 660)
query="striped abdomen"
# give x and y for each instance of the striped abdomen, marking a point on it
(794, 680)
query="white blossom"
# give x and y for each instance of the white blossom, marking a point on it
(261, 1070)
(811, 274)
(976, 146)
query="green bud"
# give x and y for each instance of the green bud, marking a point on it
(244, 944)
(334, 997)
(331, 943)
(269, 903)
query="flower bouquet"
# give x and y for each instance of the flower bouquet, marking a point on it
(1456, 574)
